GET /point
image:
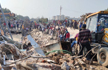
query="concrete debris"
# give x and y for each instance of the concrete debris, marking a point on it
(65, 66)
(30, 55)
(42, 39)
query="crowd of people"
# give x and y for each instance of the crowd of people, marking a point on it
(60, 31)
(13, 24)
(19, 24)
(52, 29)
(59, 28)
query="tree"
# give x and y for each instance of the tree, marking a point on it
(84, 16)
(26, 18)
(5, 10)
(106, 9)
(19, 17)
(43, 20)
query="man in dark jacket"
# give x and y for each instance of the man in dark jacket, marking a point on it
(84, 39)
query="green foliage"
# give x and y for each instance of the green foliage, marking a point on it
(106, 9)
(84, 16)
(5, 10)
(19, 17)
(43, 20)
(22, 17)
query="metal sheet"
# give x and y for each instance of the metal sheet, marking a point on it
(35, 45)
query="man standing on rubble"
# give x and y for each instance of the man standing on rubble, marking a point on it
(84, 39)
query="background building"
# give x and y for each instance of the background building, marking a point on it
(63, 17)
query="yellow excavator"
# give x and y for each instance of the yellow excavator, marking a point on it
(97, 23)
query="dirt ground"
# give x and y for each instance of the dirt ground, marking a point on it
(16, 37)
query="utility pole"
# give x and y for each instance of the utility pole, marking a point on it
(60, 12)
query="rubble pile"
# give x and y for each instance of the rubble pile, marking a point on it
(43, 39)
(9, 52)
(66, 61)
(13, 58)
(60, 58)
(37, 64)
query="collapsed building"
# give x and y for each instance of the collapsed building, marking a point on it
(40, 53)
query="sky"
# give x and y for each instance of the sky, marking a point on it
(50, 8)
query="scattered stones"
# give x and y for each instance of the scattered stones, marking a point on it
(41, 38)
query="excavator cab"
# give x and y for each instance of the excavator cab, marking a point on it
(97, 23)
